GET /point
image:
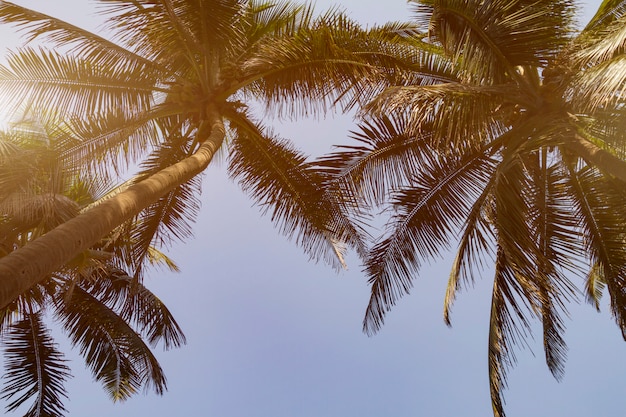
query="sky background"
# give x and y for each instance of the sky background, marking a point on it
(273, 335)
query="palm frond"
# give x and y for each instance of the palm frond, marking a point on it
(99, 142)
(73, 85)
(387, 155)
(199, 29)
(508, 327)
(35, 368)
(475, 243)
(80, 42)
(284, 184)
(601, 83)
(113, 351)
(332, 60)
(608, 11)
(136, 304)
(493, 38)
(456, 114)
(427, 215)
(599, 204)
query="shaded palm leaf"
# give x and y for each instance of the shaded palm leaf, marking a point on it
(135, 304)
(35, 368)
(281, 181)
(427, 216)
(113, 351)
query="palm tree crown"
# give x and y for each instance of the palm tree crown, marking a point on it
(170, 84)
(166, 90)
(106, 313)
(514, 151)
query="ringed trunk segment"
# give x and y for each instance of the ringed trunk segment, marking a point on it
(29, 265)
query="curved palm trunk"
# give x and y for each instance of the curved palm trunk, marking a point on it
(27, 266)
(598, 157)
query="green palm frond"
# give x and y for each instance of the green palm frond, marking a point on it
(557, 236)
(99, 143)
(474, 114)
(330, 61)
(34, 369)
(475, 243)
(602, 81)
(79, 41)
(508, 327)
(608, 11)
(198, 28)
(267, 18)
(599, 205)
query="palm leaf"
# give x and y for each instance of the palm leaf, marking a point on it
(281, 181)
(112, 350)
(599, 204)
(495, 37)
(79, 41)
(73, 85)
(35, 368)
(427, 215)
(135, 304)
(508, 327)
(386, 156)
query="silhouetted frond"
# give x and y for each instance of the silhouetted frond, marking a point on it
(34, 369)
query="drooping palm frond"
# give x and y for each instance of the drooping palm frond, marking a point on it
(135, 304)
(599, 206)
(34, 368)
(286, 186)
(427, 215)
(557, 236)
(508, 327)
(475, 243)
(388, 154)
(113, 351)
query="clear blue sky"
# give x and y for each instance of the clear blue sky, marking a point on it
(272, 335)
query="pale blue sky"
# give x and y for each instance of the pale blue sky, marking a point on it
(272, 335)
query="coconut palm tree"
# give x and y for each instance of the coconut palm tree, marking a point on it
(171, 80)
(107, 314)
(516, 154)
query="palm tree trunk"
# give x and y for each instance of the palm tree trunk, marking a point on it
(29, 265)
(598, 157)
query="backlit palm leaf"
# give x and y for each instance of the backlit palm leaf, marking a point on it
(426, 217)
(34, 368)
(113, 351)
(281, 181)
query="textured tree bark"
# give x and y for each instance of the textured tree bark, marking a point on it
(598, 157)
(27, 266)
